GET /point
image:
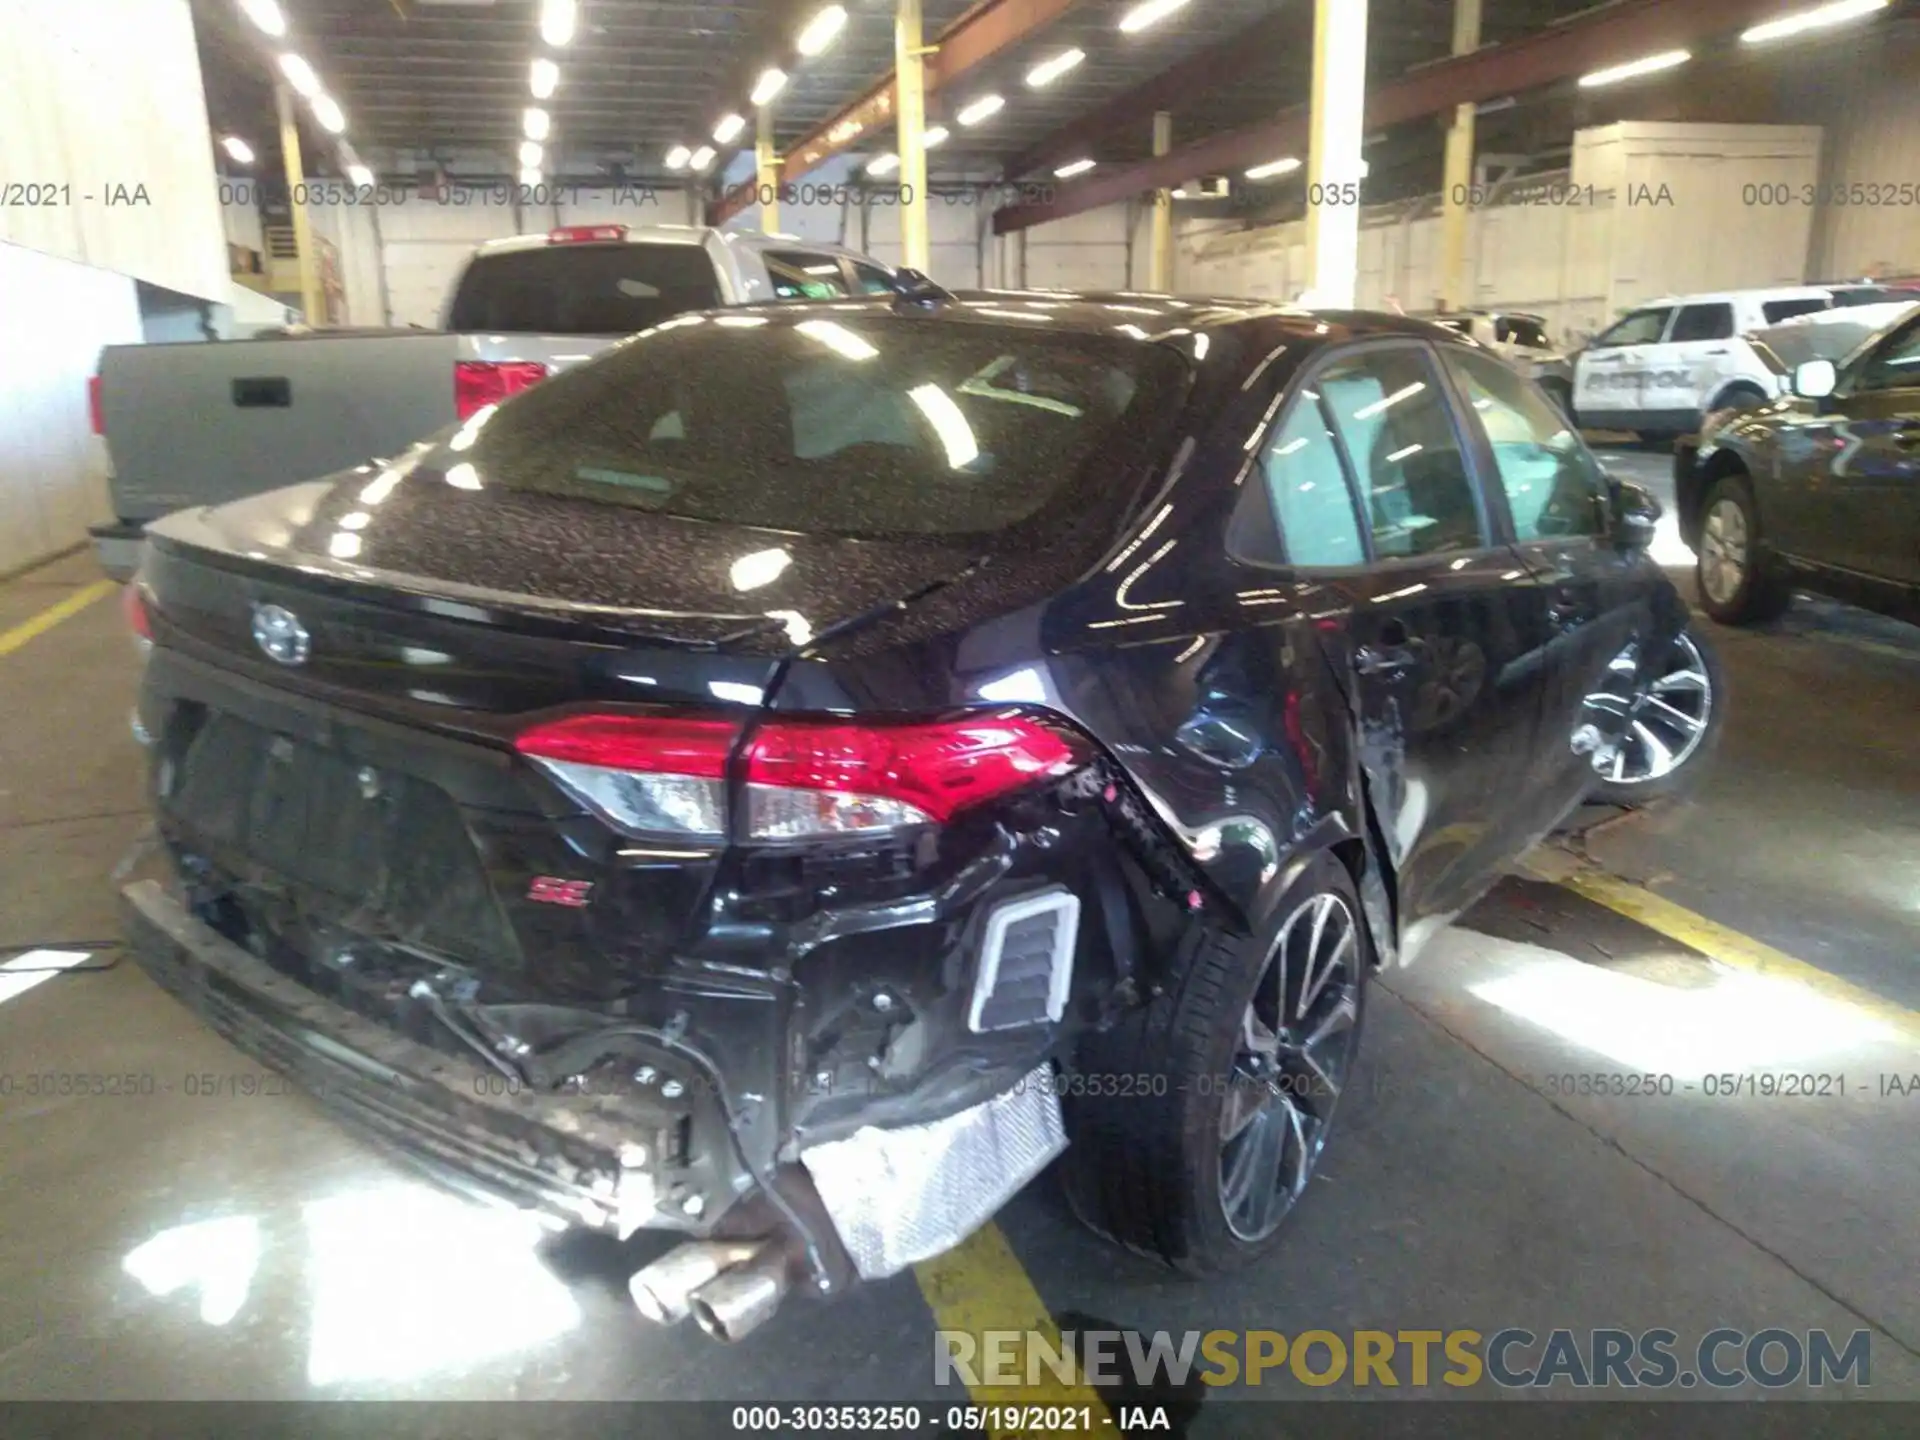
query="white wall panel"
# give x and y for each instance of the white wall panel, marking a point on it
(1088, 251)
(1873, 141)
(55, 318)
(424, 245)
(104, 97)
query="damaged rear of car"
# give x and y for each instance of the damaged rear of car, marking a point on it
(789, 780)
(573, 802)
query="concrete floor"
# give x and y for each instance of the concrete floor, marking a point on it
(1465, 1188)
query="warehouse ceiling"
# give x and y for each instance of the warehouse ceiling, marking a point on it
(441, 85)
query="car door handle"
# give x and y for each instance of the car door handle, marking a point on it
(1907, 437)
(1720, 351)
(1383, 659)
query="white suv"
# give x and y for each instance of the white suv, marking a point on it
(1663, 366)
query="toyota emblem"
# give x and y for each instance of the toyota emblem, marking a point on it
(278, 631)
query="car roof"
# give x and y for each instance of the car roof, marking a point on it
(1875, 316)
(1155, 316)
(1763, 292)
(754, 240)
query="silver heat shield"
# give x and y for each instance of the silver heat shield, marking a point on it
(903, 1195)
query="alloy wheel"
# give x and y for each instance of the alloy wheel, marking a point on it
(1665, 724)
(1724, 551)
(1291, 1061)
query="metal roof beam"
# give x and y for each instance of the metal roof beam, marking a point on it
(1592, 40)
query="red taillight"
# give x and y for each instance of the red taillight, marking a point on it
(480, 383)
(133, 605)
(95, 413)
(646, 745)
(651, 774)
(939, 768)
(585, 234)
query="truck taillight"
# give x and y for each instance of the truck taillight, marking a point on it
(804, 778)
(96, 415)
(585, 234)
(480, 383)
(133, 605)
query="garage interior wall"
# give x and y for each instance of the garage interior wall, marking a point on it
(104, 98)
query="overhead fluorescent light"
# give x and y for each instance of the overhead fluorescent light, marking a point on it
(883, 165)
(237, 148)
(1148, 12)
(949, 423)
(822, 30)
(981, 109)
(701, 158)
(543, 78)
(936, 136)
(678, 157)
(836, 337)
(1272, 168)
(1048, 71)
(327, 111)
(1653, 64)
(530, 175)
(535, 123)
(531, 154)
(300, 75)
(731, 126)
(557, 19)
(361, 176)
(771, 82)
(265, 14)
(1077, 167)
(1818, 18)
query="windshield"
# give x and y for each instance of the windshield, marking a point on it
(583, 289)
(852, 425)
(1834, 336)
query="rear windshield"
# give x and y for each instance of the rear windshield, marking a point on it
(840, 424)
(583, 289)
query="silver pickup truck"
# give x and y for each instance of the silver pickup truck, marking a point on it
(202, 422)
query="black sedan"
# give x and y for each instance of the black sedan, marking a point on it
(1820, 489)
(788, 780)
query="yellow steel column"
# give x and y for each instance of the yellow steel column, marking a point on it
(1456, 291)
(302, 232)
(910, 117)
(1160, 256)
(1334, 166)
(766, 168)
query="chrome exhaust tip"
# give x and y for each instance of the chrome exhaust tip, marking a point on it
(739, 1301)
(660, 1291)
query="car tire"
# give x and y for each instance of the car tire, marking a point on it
(1195, 1123)
(1673, 728)
(1738, 397)
(1737, 579)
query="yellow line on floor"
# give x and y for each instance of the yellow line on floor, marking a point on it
(1731, 948)
(26, 630)
(980, 1286)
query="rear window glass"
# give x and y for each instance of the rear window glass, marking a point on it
(1523, 331)
(583, 289)
(846, 425)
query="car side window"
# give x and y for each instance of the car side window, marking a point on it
(1642, 327)
(1778, 310)
(1524, 333)
(871, 279)
(1393, 419)
(801, 275)
(1307, 483)
(1703, 322)
(1554, 486)
(1895, 363)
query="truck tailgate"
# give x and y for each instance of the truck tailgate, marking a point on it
(199, 423)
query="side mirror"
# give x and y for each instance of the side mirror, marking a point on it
(1636, 515)
(1815, 379)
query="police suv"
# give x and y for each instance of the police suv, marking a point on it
(1661, 367)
